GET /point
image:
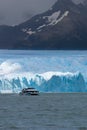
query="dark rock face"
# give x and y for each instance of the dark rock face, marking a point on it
(64, 26)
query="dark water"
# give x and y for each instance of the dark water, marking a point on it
(44, 112)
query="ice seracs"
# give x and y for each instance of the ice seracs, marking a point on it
(45, 82)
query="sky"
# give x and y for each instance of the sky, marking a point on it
(13, 12)
(16, 11)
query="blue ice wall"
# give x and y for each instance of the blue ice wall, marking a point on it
(45, 83)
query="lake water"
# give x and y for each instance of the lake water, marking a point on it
(44, 112)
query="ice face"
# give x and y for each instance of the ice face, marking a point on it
(46, 82)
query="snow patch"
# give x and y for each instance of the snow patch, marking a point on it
(49, 21)
(30, 32)
(64, 15)
(41, 26)
(54, 18)
(24, 30)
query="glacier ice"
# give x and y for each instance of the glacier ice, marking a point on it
(47, 71)
(45, 82)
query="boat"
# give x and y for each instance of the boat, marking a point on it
(29, 91)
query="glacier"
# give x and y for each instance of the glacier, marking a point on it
(47, 71)
(46, 82)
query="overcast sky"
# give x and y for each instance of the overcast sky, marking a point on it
(16, 11)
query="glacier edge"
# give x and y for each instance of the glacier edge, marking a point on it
(46, 82)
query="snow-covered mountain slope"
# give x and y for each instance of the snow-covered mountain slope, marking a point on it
(46, 82)
(49, 20)
(57, 13)
(63, 26)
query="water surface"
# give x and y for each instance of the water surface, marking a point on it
(56, 111)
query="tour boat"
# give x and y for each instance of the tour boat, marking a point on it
(29, 91)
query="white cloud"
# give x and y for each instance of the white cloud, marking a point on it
(8, 67)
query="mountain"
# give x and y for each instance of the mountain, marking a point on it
(63, 26)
